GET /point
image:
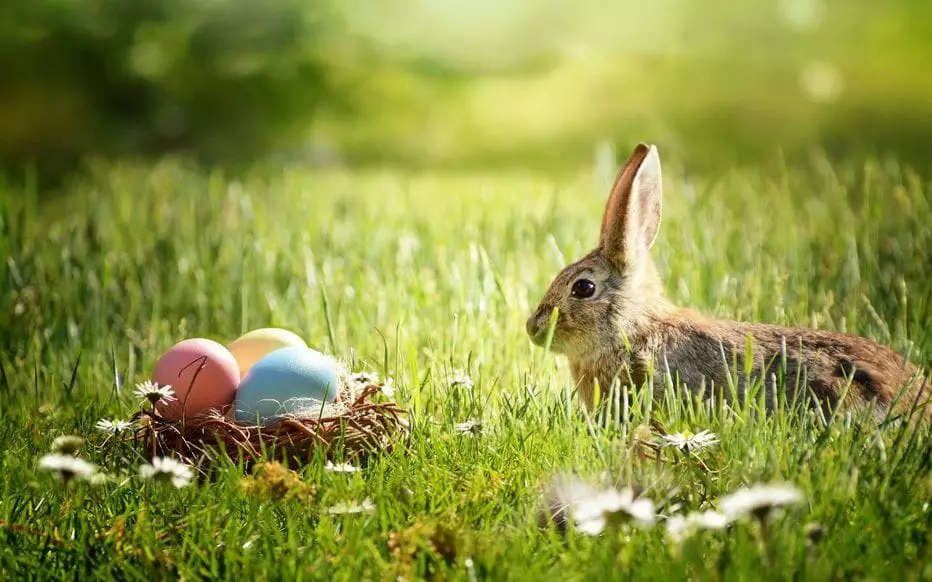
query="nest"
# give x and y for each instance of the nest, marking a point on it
(357, 426)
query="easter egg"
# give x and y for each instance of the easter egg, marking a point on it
(251, 347)
(292, 380)
(203, 373)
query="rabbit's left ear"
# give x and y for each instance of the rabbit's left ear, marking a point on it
(632, 216)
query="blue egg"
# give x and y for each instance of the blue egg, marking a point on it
(289, 380)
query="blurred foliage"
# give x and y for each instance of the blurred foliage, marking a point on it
(430, 82)
(216, 78)
(716, 82)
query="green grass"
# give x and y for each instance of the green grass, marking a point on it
(418, 275)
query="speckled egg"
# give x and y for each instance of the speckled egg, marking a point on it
(292, 380)
(253, 346)
(203, 373)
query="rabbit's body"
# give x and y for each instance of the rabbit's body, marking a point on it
(614, 322)
(709, 356)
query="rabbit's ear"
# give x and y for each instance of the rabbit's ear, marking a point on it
(632, 215)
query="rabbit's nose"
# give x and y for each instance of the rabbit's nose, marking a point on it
(532, 325)
(536, 321)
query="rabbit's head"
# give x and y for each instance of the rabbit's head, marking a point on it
(612, 291)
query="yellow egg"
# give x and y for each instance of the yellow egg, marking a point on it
(256, 344)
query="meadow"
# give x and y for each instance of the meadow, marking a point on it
(427, 277)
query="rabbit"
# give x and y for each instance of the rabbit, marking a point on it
(613, 321)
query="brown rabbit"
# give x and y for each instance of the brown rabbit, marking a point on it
(613, 321)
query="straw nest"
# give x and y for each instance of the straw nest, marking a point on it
(359, 423)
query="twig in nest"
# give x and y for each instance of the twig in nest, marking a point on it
(362, 426)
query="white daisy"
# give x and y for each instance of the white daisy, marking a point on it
(688, 441)
(623, 504)
(563, 494)
(680, 527)
(469, 428)
(360, 380)
(98, 478)
(167, 470)
(153, 393)
(363, 379)
(388, 388)
(340, 468)
(67, 466)
(592, 509)
(113, 426)
(759, 500)
(365, 506)
(461, 379)
(709, 520)
(67, 444)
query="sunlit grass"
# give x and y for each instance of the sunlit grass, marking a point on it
(424, 277)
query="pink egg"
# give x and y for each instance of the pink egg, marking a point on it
(203, 373)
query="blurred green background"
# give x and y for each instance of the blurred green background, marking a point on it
(437, 83)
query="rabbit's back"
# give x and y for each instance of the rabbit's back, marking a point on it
(707, 354)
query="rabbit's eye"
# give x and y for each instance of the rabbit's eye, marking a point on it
(582, 289)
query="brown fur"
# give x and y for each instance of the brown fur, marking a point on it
(629, 331)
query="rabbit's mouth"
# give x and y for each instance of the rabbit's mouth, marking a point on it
(540, 340)
(538, 329)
